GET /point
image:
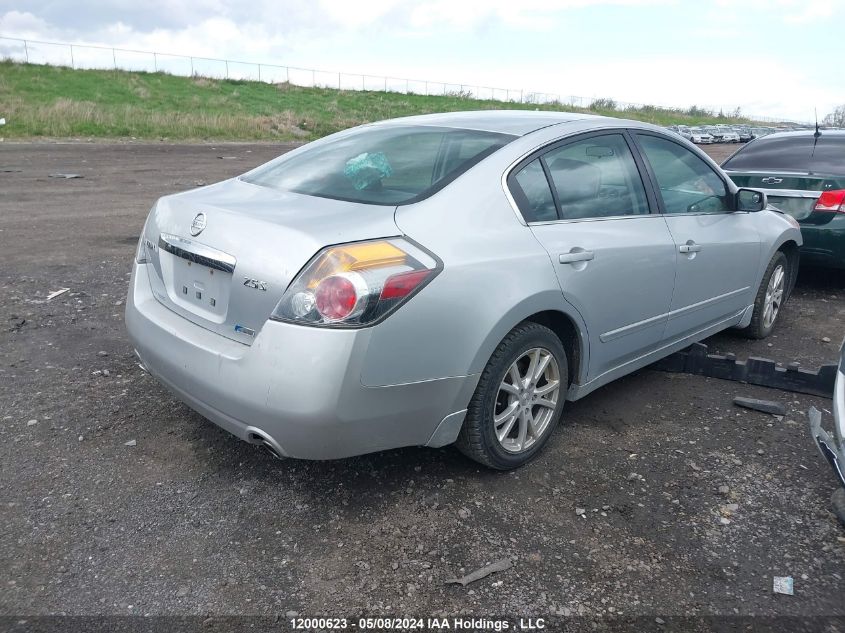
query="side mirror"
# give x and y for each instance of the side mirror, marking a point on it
(750, 200)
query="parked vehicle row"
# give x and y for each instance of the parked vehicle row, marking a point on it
(706, 134)
(449, 278)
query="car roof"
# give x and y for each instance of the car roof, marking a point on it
(516, 122)
(798, 133)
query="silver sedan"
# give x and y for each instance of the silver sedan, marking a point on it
(450, 278)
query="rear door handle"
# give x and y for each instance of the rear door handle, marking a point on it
(689, 247)
(576, 256)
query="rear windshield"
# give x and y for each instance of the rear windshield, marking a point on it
(792, 154)
(387, 165)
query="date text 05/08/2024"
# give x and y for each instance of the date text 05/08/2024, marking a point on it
(416, 624)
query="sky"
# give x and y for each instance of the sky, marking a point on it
(773, 58)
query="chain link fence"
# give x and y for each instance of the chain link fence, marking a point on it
(84, 56)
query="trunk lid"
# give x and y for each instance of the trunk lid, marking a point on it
(796, 181)
(222, 256)
(792, 193)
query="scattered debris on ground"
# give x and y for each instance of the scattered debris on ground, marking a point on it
(696, 360)
(764, 406)
(478, 574)
(57, 293)
(783, 585)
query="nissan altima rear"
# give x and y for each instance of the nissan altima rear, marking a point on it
(254, 299)
(445, 279)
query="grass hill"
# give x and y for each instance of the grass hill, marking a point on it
(58, 102)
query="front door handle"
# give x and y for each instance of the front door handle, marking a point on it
(575, 256)
(689, 247)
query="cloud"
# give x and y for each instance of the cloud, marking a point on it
(359, 13)
(789, 11)
(83, 16)
(87, 16)
(487, 42)
(24, 24)
(813, 11)
(533, 14)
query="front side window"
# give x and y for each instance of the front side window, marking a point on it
(595, 178)
(387, 165)
(687, 184)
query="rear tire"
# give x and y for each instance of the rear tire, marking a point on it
(518, 401)
(770, 297)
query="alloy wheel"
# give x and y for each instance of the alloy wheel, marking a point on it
(774, 296)
(526, 400)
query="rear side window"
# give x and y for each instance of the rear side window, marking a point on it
(533, 194)
(596, 178)
(792, 154)
(687, 184)
(386, 165)
(591, 178)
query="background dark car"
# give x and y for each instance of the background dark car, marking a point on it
(745, 133)
(804, 176)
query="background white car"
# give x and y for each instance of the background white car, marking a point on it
(725, 134)
(700, 136)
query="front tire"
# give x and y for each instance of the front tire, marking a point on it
(770, 297)
(518, 401)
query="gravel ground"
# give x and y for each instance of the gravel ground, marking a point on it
(656, 497)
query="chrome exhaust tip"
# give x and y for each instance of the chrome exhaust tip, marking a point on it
(257, 436)
(270, 449)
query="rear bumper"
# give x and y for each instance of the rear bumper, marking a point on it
(824, 245)
(298, 388)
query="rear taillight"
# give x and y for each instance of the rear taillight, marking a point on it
(358, 284)
(337, 297)
(403, 284)
(831, 201)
